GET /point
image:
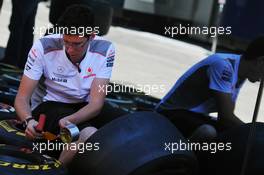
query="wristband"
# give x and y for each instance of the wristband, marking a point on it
(26, 121)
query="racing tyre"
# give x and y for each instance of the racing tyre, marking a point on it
(12, 133)
(230, 161)
(7, 112)
(131, 98)
(7, 93)
(17, 161)
(146, 103)
(126, 105)
(8, 98)
(7, 68)
(135, 144)
(12, 79)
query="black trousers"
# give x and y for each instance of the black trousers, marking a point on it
(21, 32)
(54, 111)
(187, 121)
(1, 3)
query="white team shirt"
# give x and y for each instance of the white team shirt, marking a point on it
(60, 79)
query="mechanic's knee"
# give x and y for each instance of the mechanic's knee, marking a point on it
(86, 133)
(204, 132)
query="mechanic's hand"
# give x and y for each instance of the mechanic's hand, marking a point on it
(64, 122)
(31, 133)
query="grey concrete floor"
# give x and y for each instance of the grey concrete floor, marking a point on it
(147, 60)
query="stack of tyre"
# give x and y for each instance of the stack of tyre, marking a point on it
(16, 157)
(9, 81)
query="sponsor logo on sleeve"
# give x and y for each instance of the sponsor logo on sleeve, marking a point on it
(110, 61)
(28, 67)
(109, 64)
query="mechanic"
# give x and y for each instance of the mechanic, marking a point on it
(212, 85)
(63, 78)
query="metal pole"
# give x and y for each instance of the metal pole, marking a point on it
(221, 4)
(252, 131)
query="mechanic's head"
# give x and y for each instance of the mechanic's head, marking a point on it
(76, 25)
(254, 58)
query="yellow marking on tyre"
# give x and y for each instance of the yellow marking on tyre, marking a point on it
(6, 126)
(45, 167)
(2, 163)
(56, 164)
(21, 134)
(33, 167)
(19, 166)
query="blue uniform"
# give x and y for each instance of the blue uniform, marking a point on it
(193, 91)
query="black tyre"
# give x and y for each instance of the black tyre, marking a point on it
(6, 111)
(8, 98)
(7, 93)
(15, 161)
(135, 145)
(8, 66)
(12, 133)
(146, 103)
(130, 98)
(124, 104)
(8, 87)
(230, 162)
(9, 69)
(12, 79)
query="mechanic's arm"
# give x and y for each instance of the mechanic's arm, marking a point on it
(97, 98)
(22, 104)
(226, 107)
(22, 101)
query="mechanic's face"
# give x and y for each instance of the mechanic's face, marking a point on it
(75, 46)
(256, 69)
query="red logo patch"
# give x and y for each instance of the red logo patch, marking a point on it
(89, 73)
